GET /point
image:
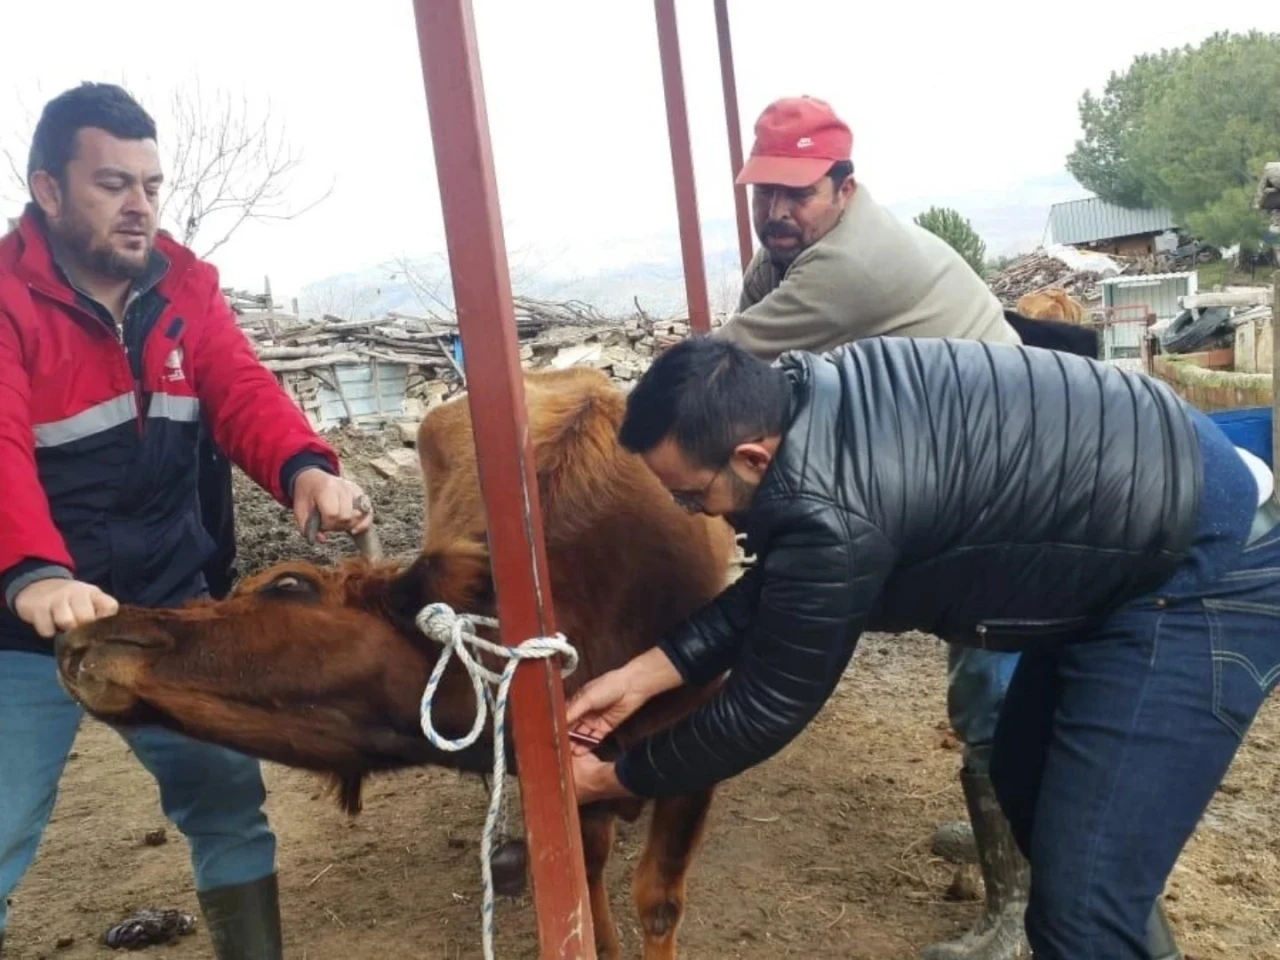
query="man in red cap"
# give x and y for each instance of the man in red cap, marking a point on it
(835, 266)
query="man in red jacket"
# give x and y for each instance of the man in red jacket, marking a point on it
(116, 344)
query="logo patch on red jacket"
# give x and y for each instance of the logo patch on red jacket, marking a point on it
(173, 366)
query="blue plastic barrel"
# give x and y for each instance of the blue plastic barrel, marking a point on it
(1248, 428)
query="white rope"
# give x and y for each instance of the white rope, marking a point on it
(457, 634)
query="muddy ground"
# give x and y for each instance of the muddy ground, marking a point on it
(822, 851)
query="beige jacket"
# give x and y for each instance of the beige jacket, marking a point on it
(871, 275)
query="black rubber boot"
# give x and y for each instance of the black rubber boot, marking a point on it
(998, 934)
(244, 920)
(1160, 940)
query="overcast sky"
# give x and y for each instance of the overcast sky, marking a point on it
(968, 99)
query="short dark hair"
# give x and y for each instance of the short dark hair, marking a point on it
(840, 171)
(709, 395)
(102, 105)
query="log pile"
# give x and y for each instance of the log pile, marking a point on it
(1039, 271)
(307, 354)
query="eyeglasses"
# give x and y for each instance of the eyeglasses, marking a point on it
(692, 501)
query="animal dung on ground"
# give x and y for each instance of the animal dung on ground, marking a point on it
(149, 927)
(965, 886)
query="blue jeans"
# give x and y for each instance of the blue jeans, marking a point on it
(214, 796)
(977, 682)
(1109, 750)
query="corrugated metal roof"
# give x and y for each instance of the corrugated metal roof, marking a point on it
(1082, 221)
(1142, 279)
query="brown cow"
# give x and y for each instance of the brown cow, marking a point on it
(324, 669)
(1053, 303)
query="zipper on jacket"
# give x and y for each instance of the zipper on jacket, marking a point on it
(115, 330)
(1029, 627)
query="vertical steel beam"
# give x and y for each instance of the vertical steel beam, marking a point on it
(486, 321)
(695, 271)
(734, 124)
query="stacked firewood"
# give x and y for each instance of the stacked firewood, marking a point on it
(1040, 271)
(423, 352)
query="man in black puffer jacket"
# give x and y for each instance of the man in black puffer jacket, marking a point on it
(1003, 497)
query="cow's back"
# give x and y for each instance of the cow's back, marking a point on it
(626, 562)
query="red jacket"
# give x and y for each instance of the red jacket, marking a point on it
(99, 428)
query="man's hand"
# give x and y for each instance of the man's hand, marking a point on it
(602, 705)
(58, 604)
(333, 498)
(593, 780)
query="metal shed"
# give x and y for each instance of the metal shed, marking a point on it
(1093, 219)
(1142, 295)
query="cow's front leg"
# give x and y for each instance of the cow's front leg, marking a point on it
(658, 886)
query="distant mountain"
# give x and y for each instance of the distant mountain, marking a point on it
(648, 268)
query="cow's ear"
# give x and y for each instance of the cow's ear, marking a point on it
(290, 586)
(409, 591)
(457, 575)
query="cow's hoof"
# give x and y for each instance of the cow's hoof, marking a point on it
(510, 864)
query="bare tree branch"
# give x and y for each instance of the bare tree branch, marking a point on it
(226, 169)
(335, 298)
(425, 291)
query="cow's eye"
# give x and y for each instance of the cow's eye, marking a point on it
(292, 586)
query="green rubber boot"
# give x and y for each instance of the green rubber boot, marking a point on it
(244, 920)
(1160, 940)
(998, 934)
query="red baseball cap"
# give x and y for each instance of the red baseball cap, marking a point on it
(797, 141)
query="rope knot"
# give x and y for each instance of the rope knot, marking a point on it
(456, 633)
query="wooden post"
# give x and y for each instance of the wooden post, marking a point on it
(695, 270)
(486, 321)
(734, 124)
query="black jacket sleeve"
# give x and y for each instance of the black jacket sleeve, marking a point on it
(819, 579)
(705, 645)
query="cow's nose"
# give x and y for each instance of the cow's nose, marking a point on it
(65, 644)
(69, 650)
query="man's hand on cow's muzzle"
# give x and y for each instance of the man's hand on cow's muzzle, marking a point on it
(58, 604)
(334, 499)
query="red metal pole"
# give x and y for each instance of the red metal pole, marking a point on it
(486, 321)
(735, 130)
(695, 272)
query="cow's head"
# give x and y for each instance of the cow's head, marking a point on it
(319, 668)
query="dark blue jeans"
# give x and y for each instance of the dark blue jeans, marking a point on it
(1108, 751)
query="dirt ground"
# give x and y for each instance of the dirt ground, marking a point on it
(826, 846)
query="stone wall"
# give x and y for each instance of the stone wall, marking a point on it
(1210, 390)
(1253, 347)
